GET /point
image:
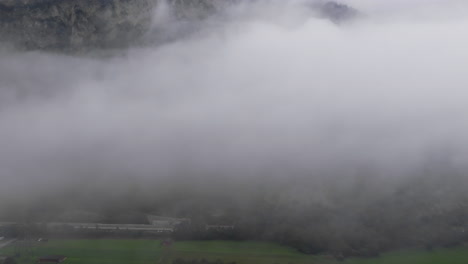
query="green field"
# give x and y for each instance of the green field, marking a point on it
(440, 256)
(107, 251)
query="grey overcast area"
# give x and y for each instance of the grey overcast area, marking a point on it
(334, 130)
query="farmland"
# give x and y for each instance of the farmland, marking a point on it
(140, 251)
(447, 256)
(105, 251)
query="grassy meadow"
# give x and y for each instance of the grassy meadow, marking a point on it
(116, 251)
(438, 256)
(107, 251)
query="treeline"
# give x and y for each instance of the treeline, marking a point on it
(362, 214)
(357, 221)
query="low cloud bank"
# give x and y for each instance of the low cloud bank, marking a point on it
(276, 93)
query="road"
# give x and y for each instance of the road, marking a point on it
(6, 242)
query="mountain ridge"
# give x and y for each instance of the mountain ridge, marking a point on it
(69, 25)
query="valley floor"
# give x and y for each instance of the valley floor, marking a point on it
(103, 251)
(116, 251)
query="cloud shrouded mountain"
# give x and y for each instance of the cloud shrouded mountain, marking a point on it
(78, 26)
(267, 102)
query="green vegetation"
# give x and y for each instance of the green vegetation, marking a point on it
(107, 251)
(103, 251)
(446, 256)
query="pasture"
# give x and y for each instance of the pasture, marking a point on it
(438, 256)
(116, 251)
(140, 251)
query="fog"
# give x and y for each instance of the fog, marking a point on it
(264, 91)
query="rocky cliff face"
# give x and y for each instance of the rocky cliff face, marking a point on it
(73, 24)
(335, 11)
(82, 24)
